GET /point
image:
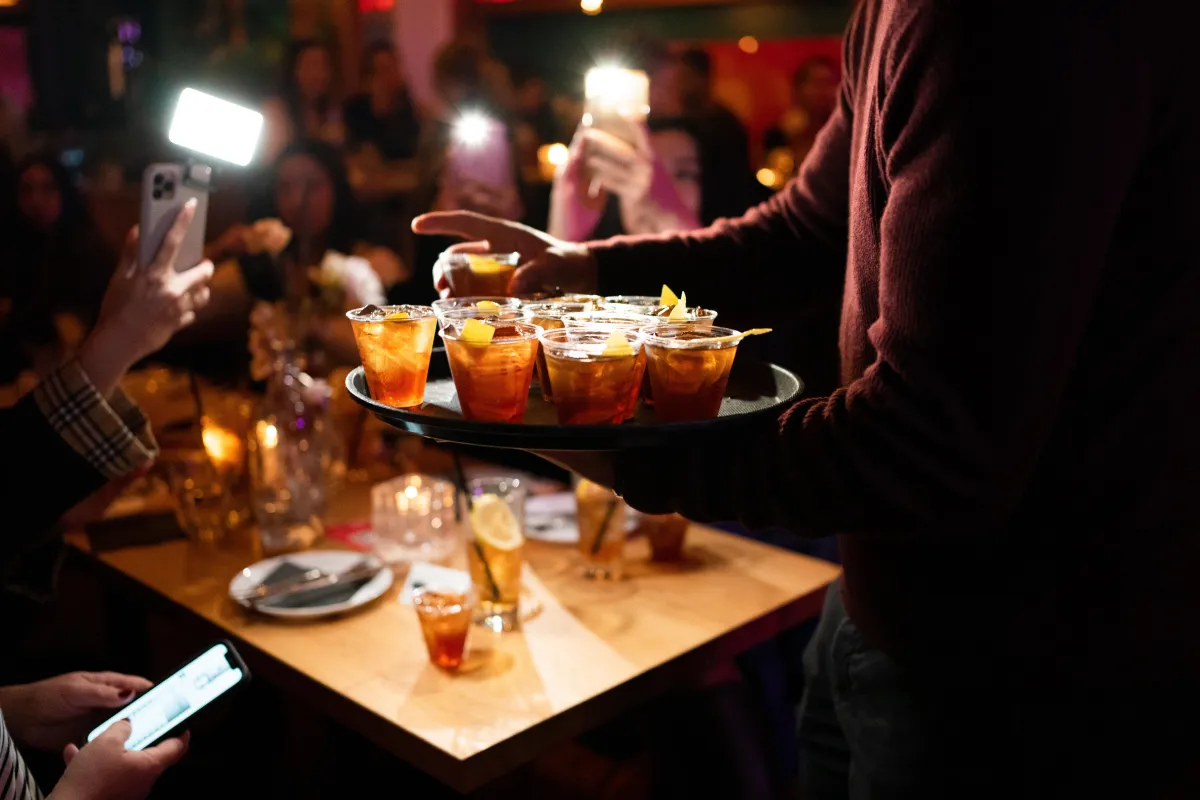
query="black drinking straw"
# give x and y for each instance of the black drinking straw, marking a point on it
(608, 515)
(460, 479)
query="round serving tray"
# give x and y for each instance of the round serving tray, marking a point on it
(755, 388)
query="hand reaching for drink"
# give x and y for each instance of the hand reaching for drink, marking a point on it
(547, 264)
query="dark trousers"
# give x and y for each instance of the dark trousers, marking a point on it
(867, 732)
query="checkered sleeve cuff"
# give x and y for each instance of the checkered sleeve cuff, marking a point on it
(112, 435)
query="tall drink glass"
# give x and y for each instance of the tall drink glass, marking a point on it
(492, 378)
(494, 548)
(395, 343)
(689, 369)
(600, 514)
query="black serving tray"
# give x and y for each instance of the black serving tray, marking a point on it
(755, 388)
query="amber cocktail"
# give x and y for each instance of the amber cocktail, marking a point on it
(622, 317)
(595, 371)
(689, 369)
(445, 617)
(600, 514)
(471, 274)
(666, 534)
(394, 343)
(549, 315)
(492, 372)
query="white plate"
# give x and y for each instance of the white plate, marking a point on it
(326, 560)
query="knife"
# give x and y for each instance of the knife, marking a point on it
(311, 579)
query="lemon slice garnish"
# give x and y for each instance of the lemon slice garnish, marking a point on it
(667, 298)
(476, 332)
(488, 304)
(494, 523)
(617, 345)
(483, 265)
(679, 312)
(398, 315)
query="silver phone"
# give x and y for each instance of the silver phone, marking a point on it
(165, 189)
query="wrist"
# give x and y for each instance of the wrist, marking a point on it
(105, 357)
(13, 708)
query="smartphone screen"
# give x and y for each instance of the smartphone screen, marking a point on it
(168, 704)
(479, 151)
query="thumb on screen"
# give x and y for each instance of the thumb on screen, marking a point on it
(119, 731)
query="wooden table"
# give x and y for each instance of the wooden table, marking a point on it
(594, 651)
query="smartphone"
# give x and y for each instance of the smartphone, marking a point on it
(616, 101)
(161, 712)
(165, 188)
(480, 152)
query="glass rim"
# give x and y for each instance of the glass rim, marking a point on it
(527, 331)
(633, 300)
(444, 586)
(415, 313)
(543, 308)
(511, 259)
(515, 313)
(695, 314)
(574, 297)
(471, 301)
(517, 483)
(617, 318)
(550, 339)
(667, 336)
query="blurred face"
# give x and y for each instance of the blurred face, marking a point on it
(314, 73)
(681, 157)
(304, 196)
(817, 91)
(385, 73)
(38, 197)
(692, 85)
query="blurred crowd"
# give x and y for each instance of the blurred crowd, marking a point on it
(346, 174)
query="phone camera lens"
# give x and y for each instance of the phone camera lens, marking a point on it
(158, 179)
(169, 186)
(157, 195)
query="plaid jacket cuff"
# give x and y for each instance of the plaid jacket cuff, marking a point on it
(112, 435)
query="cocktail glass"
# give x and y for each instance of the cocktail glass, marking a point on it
(395, 343)
(492, 379)
(666, 534)
(689, 369)
(637, 303)
(549, 315)
(629, 317)
(595, 299)
(494, 547)
(593, 386)
(445, 616)
(471, 274)
(600, 515)
(694, 316)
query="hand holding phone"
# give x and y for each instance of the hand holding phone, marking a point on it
(162, 711)
(479, 153)
(105, 769)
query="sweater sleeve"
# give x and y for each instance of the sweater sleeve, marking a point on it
(795, 239)
(985, 289)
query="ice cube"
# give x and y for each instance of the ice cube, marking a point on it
(373, 312)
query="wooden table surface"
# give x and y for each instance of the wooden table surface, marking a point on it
(594, 651)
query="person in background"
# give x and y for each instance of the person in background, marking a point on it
(727, 132)
(814, 98)
(308, 107)
(669, 179)
(56, 267)
(307, 191)
(78, 438)
(531, 108)
(383, 117)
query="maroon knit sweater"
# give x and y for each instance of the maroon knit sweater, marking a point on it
(1014, 200)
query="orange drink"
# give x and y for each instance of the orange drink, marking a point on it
(628, 316)
(595, 371)
(549, 316)
(600, 514)
(394, 343)
(689, 369)
(492, 366)
(666, 533)
(445, 618)
(471, 274)
(494, 548)
(493, 316)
